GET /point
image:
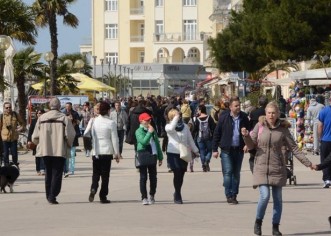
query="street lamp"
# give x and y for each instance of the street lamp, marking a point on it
(48, 56)
(94, 63)
(101, 62)
(79, 64)
(115, 82)
(120, 78)
(5, 42)
(322, 59)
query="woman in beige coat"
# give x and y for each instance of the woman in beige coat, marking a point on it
(269, 138)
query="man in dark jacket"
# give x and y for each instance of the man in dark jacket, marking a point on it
(253, 120)
(229, 125)
(133, 122)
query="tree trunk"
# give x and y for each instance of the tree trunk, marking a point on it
(22, 100)
(54, 47)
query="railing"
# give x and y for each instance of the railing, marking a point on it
(137, 38)
(180, 37)
(137, 11)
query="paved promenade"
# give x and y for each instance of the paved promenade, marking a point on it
(204, 212)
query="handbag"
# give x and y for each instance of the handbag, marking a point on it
(184, 151)
(31, 146)
(144, 158)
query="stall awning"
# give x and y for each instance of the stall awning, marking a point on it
(311, 74)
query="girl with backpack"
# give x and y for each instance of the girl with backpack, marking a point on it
(204, 127)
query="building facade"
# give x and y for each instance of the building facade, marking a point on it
(136, 32)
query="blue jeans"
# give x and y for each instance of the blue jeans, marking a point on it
(205, 149)
(231, 161)
(12, 146)
(264, 199)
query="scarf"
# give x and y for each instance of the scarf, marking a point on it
(180, 125)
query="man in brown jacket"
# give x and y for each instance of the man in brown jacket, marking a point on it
(11, 124)
(54, 134)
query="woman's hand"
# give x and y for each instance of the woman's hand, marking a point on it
(150, 128)
(244, 132)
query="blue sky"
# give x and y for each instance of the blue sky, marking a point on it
(69, 38)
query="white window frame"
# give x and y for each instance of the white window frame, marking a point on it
(111, 31)
(190, 29)
(159, 27)
(111, 5)
(189, 2)
(141, 56)
(111, 57)
(193, 53)
(159, 3)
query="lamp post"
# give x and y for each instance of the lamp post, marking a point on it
(127, 90)
(322, 60)
(160, 81)
(115, 82)
(132, 82)
(48, 56)
(94, 64)
(120, 78)
(101, 62)
(79, 64)
(124, 69)
(5, 42)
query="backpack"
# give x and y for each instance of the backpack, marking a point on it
(216, 114)
(204, 130)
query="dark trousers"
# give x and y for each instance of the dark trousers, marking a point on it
(12, 147)
(325, 151)
(53, 176)
(87, 143)
(101, 168)
(152, 180)
(39, 164)
(251, 160)
(178, 182)
(120, 134)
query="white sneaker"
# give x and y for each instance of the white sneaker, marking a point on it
(327, 184)
(145, 201)
(151, 200)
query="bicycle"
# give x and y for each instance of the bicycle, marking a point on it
(22, 142)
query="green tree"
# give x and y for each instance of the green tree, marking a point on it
(87, 69)
(267, 31)
(26, 65)
(46, 15)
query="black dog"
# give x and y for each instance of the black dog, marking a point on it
(8, 176)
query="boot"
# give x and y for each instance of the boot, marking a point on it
(204, 168)
(258, 227)
(275, 230)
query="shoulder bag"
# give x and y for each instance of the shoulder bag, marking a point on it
(184, 151)
(144, 158)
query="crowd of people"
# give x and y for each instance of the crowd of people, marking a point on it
(225, 131)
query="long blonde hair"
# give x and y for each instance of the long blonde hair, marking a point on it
(172, 113)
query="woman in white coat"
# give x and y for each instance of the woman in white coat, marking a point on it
(105, 147)
(178, 132)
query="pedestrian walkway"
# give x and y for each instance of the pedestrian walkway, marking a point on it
(204, 212)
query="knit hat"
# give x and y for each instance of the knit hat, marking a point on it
(144, 116)
(54, 104)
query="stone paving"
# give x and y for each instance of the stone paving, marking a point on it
(204, 212)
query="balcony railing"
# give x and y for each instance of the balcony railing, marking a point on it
(137, 11)
(137, 38)
(181, 37)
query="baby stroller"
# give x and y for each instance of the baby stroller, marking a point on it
(290, 168)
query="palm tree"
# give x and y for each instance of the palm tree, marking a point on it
(26, 65)
(17, 21)
(87, 69)
(46, 15)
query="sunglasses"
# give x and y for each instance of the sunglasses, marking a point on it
(8, 107)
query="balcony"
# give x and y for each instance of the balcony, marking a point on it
(181, 37)
(137, 38)
(137, 11)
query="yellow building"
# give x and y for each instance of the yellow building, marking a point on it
(155, 32)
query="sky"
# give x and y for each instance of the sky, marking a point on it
(69, 38)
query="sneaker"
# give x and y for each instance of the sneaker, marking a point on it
(327, 184)
(91, 196)
(53, 202)
(234, 201)
(151, 200)
(229, 200)
(104, 201)
(207, 167)
(145, 201)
